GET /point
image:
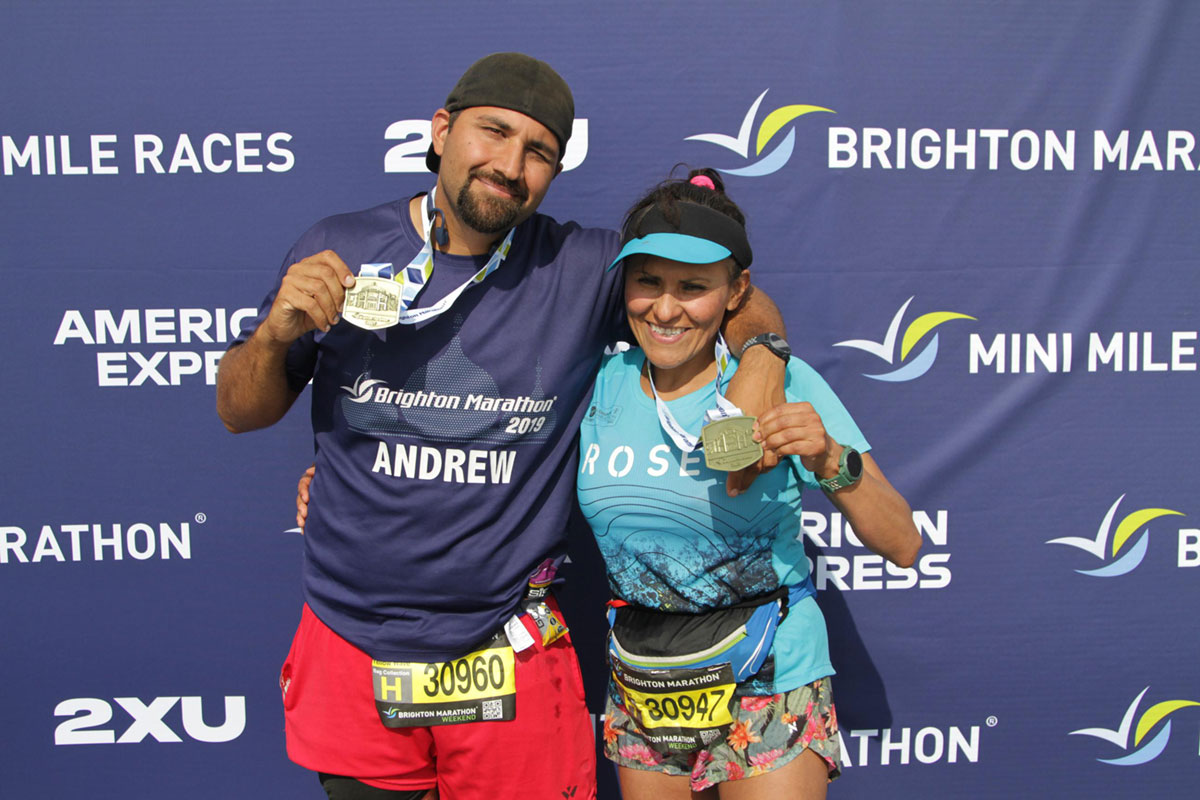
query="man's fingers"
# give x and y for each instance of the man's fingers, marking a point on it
(342, 274)
(322, 288)
(319, 314)
(323, 277)
(312, 296)
(335, 285)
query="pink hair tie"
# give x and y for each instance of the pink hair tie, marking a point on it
(703, 181)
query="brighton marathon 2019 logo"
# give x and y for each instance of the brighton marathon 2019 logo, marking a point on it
(1135, 523)
(906, 368)
(1143, 747)
(759, 164)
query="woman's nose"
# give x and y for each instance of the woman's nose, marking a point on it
(666, 308)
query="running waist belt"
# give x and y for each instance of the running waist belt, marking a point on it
(676, 673)
(739, 635)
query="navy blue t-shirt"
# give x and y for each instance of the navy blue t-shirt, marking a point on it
(446, 451)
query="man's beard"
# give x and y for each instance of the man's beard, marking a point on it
(489, 214)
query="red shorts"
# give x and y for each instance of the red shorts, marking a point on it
(332, 726)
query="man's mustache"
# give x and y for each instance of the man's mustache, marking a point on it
(504, 183)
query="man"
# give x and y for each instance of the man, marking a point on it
(430, 659)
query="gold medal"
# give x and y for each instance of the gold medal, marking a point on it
(372, 303)
(727, 444)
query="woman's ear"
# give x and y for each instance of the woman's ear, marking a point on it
(740, 285)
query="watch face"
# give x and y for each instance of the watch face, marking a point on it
(777, 344)
(854, 464)
(773, 342)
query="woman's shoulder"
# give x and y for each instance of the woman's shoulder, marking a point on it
(802, 374)
(621, 356)
(805, 384)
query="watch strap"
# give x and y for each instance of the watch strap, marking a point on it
(773, 342)
(847, 475)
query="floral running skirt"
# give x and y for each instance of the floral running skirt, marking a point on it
(768, 732)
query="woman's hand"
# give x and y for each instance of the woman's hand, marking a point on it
(795, 429)
(302, 496)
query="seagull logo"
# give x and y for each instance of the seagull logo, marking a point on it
(361, 391)
(1129, 525)
(1151, 717)
(909, 368)
(771, 125)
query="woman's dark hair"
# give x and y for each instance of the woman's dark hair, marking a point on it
(666, 196)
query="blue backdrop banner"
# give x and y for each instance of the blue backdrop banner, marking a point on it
(977, 218)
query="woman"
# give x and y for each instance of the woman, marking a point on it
(690, 566)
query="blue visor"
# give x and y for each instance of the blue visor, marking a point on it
(687, 232)
(675, 246)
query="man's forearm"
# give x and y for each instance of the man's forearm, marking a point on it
(252, 388)
(759, 382)
(757, 314)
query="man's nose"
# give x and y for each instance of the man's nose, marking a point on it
(510, 161)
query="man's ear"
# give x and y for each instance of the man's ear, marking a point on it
(438, 128)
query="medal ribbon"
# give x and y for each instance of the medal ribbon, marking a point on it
(412, 279)
(684, 440)
(375, 270)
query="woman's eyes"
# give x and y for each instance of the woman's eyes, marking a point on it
(653, 282)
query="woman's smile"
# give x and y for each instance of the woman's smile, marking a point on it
(675, 310)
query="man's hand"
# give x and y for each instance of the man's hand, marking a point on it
(756, 388)
(310, 298)
(252, 387)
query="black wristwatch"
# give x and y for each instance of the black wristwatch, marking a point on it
(773, 342)
(850, 468)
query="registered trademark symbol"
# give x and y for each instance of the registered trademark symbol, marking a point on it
(991, 722)
(201, 518)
